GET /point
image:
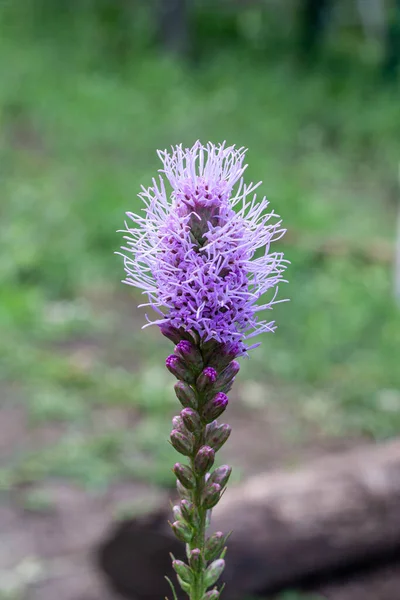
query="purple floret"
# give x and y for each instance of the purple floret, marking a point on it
(193, 251)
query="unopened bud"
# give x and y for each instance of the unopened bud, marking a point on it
(195, 560)
(186, 587)
(177, 367)
(221, 356)
(211, 595)
(181, 442)
(206, 379)
(204, 460)
(215, 407)
(182, 570)
(170, 332)
(188, 511)
(217, 435)
(225, 379)
(191, 419)
(182, 531)
(211, 495)
(213, 572)
(190, 355)
(214, 545)
(185, 395)
(221, 475)
(177, 423)
(173, 333)
(176, 511)
(185, 475)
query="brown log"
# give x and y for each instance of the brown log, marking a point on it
(287, 526)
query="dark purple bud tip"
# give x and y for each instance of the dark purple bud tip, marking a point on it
(215, 407)
(204, 460)
(171, 361)
(190, 354)
(210, 373)
(191, 419)
(206, 379)
(181, 442)
(183, 347)
(177, 367)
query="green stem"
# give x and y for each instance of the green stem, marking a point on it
(199, 539)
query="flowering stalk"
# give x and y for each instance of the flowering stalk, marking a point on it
(201, 255)
(203, 378)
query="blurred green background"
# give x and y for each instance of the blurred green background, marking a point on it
(89, 90)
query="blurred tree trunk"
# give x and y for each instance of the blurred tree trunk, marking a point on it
(335, 512)
(397, 253)
(313, 19)
(392, 52)
(173, 24)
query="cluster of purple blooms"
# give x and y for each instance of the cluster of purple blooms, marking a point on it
(194, 252)
(201, 254)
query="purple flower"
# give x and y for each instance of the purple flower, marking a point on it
(201, 252)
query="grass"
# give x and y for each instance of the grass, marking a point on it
(77, 141)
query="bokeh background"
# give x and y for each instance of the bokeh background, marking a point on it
(89, 90)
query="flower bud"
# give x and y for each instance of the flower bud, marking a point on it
(177, 512)
(195, 560)
(204, 460)
(182, 531)
(188, 511)
(186, 587)
(191, 356)
(174, 334)
(217, 435)
(225, 379)
(177, 367)
(221, 356)
(215, 407)
(214, 545)
(181, 442)
(211, 595)
(185, 395)
(183, 571)
(183, 493)
(185, 475)
(211, 495)
(191, 419)
(221, 475)
(213, 572)
(177, 423)
(206, 379)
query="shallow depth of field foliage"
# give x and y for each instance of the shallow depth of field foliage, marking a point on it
(82, 112)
